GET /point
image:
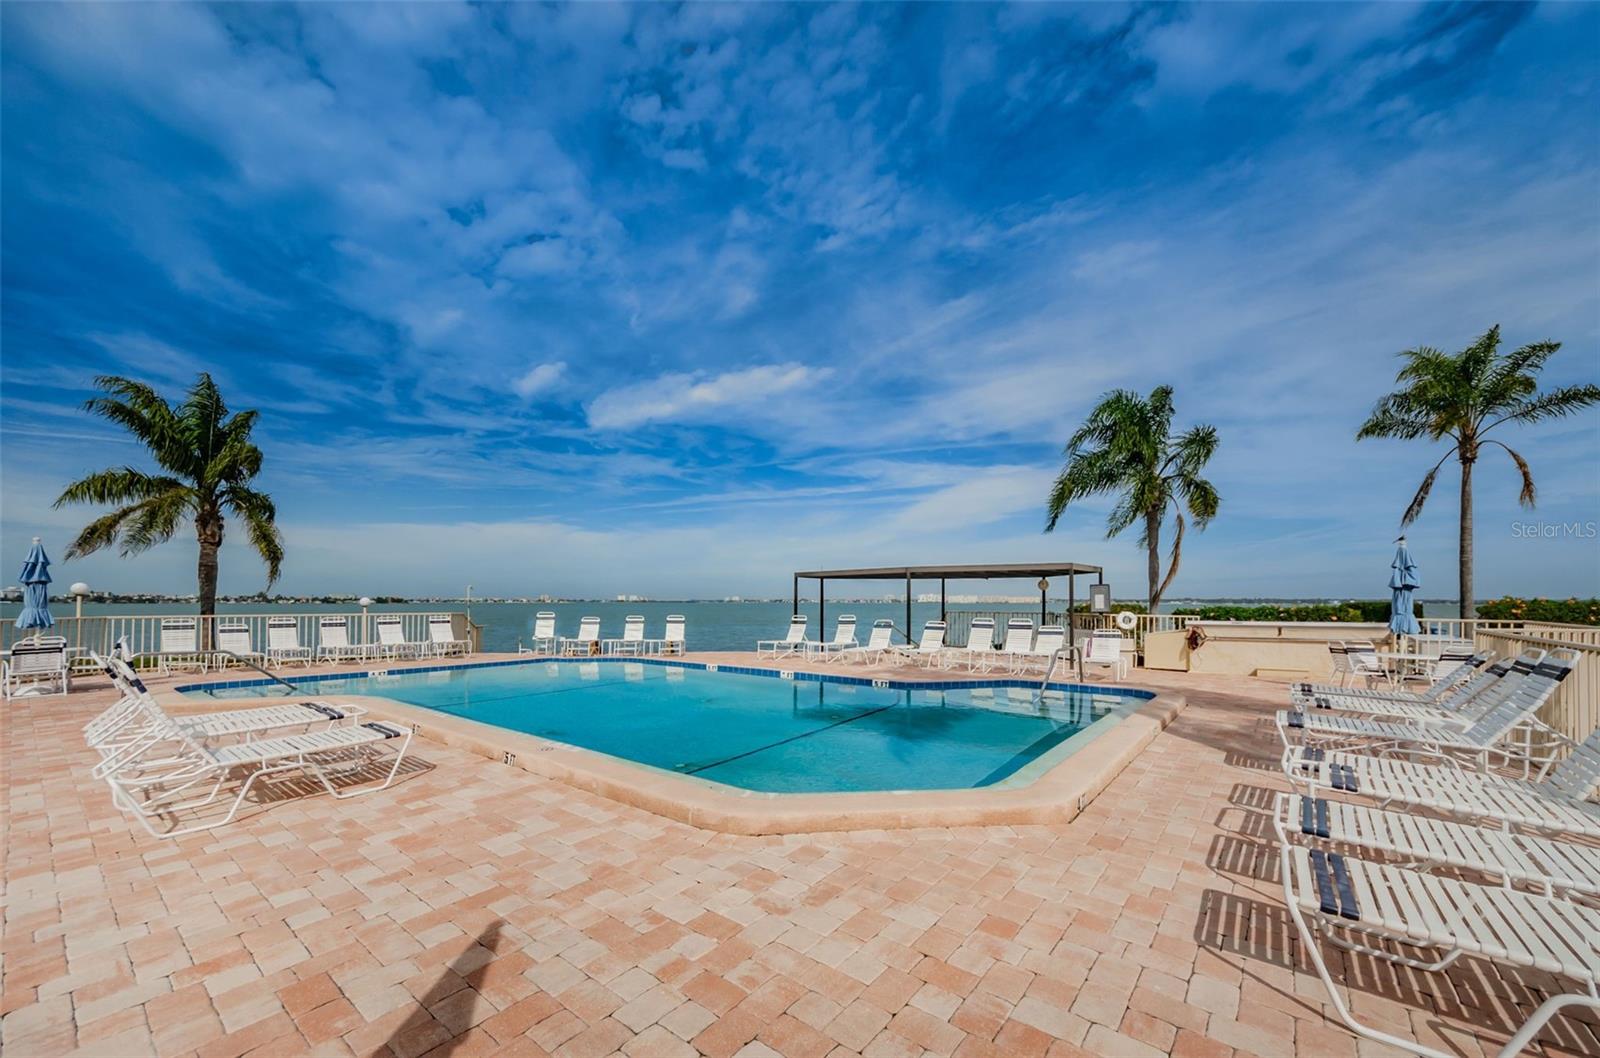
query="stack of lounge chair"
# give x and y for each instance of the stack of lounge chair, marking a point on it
(162, 769)
(1396, 785)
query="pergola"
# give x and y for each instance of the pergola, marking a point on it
(1041, 571)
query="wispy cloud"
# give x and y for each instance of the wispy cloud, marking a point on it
(797, 285)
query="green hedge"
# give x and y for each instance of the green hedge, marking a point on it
(1354, 611)
(1564, 611)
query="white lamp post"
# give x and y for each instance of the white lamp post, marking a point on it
(79, 589)
(366, 625)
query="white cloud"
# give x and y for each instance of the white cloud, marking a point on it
(539, 379)
(679, 397)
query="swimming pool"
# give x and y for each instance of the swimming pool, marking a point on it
(751, 729)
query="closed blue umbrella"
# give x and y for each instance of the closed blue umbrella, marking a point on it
(35, 581)
(1404, 581)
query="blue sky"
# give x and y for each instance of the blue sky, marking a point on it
(674, 300)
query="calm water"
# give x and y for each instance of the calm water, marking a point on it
(758, 733)
(711, 625)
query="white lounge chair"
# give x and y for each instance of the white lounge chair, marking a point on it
(1505, 730)
(233, 644)
(283, 642)
(844, 638)
(1467, 702)
(162, 789)
(1560, 803)
(792, 643)
(1050, 639)
(673, 641)
(1018, 645)
(586, 642)
(880, 641)
(930, 645)
(1467, 677)
(179, 645)
(1342, 896)
(1104, 651)
(38, 664)
(1557, 867)
(392, 641)
(979, 650)
(543, 640)
(442, 639)
(632, 641)
(333, 641)
(131, 731)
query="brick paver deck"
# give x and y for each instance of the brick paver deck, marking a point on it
(476, 909)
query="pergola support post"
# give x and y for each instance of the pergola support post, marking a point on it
(909, 638)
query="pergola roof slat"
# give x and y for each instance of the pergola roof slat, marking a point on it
(993, 572)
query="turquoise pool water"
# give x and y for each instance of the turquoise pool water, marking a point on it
(757, 732)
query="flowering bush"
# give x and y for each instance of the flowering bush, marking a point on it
(1561, 611)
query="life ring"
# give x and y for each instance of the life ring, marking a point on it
(1127, 620)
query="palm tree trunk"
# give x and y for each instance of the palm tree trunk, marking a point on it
(1152, 535)
(1469, 607)
(208, 528)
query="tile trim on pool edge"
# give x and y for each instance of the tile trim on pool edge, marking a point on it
(1055, 793)
(738, 670)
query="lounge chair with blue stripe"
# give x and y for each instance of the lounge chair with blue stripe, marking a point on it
(1424, 843)
(979, 652)
(844, 638)
(794, 642)
(1559, 803)
(1449, 676)
(1507, 730)
(1468, 700)
(1355, 905)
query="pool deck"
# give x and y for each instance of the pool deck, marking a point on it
(476, 909)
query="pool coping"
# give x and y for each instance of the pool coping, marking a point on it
(1055, 794)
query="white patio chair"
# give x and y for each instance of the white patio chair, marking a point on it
(543, 640)
(38, 664)
(844, 638)
(1556, 867)
(880, 641)
(978, 653)
(586, 642)
(179, 645)
(442, 639)
(632, 641)
(673, 641)
(333, 641)
(1018, 644)
(1104, 651)
(234, 644)
(1338, 898)
(1050, 639)
(392, 641)
(283, 642)
(794, 642)
(930, 645)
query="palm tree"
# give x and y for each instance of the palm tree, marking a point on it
(209, 462)
(1463, 397)
(1126, 446)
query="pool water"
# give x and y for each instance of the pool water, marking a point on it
(751, 731)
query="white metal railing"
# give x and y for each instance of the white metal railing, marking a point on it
(142, 632)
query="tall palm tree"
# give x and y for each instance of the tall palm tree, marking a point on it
(1126, 446)
(1463, 397)
(209, 461)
